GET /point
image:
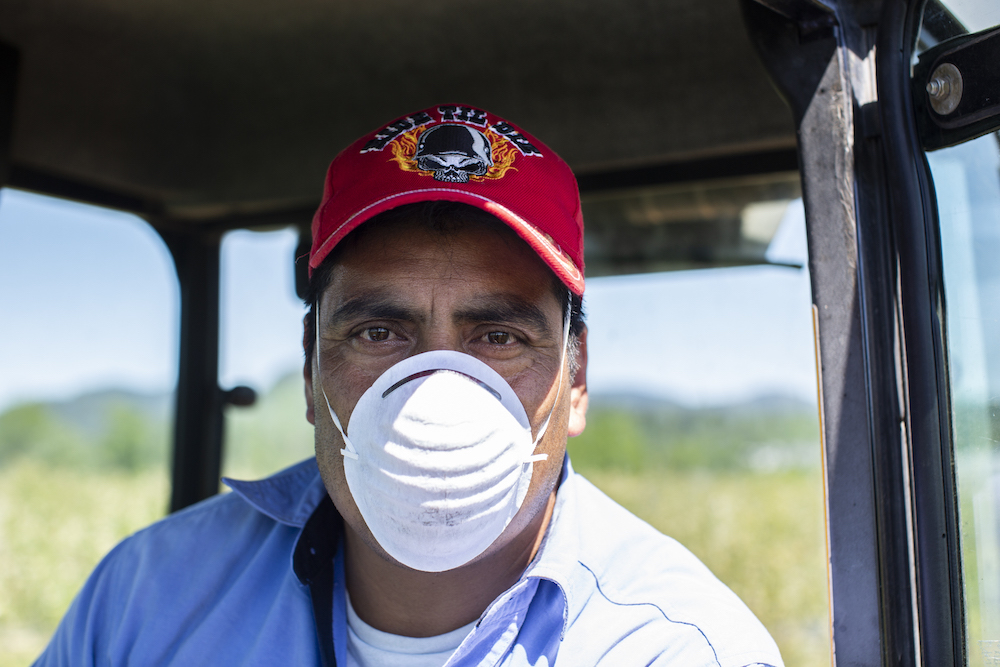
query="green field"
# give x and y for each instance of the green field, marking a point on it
(55, 525)
(736, 486)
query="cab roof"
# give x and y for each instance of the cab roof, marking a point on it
(228, 112)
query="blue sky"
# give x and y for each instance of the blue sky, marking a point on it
(975, 14)
(89, 301)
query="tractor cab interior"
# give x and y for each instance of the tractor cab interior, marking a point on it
(690, 124)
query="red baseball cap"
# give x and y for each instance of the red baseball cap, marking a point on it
(454, 152)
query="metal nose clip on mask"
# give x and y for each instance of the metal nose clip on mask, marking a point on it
(439, 457)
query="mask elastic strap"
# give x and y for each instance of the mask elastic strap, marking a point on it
(349, 451)
(562, 366)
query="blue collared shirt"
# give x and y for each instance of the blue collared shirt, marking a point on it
(214, 585)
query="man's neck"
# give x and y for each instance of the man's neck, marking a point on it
(402, 601)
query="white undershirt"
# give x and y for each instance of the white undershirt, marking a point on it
(368, 647)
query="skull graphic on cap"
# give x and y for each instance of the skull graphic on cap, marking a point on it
(454, 152)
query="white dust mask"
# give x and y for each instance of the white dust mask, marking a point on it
(439, 458)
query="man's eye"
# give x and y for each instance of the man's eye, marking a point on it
(500, 338)
(376, 334)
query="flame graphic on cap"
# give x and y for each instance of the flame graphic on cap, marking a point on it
(404, 147)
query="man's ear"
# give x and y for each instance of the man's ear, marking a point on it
(307, 372)
(578, 390)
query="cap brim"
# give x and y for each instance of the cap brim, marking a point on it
(560, 264)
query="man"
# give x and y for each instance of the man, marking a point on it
(441, 522)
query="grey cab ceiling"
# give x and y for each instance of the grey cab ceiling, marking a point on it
(195, 111)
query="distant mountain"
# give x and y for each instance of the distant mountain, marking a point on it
(782, 404)
(640, 432)
(632, 431)
(89, 412)
(776, 403)
(86, 410)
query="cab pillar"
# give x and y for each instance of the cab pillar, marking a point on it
(198, 422)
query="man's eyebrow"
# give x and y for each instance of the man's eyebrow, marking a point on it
(503, 308)
(372, 306)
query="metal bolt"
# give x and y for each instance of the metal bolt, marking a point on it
(945, 89)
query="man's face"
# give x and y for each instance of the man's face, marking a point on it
(410, 290)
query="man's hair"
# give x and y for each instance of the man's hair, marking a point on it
(443, 218)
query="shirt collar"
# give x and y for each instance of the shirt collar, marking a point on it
(292, 495)
(288, 497)
(558, 556)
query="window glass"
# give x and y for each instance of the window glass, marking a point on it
(703, 417)
(975, 15)
(967, 182)
(967, 186)
(88, 355)
(703, 420)
(261, 347)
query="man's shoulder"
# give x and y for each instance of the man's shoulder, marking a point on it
(625, 554)
(224, 528)
(174, 587)
(249, 508)
(641, 577)
(214, 520)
